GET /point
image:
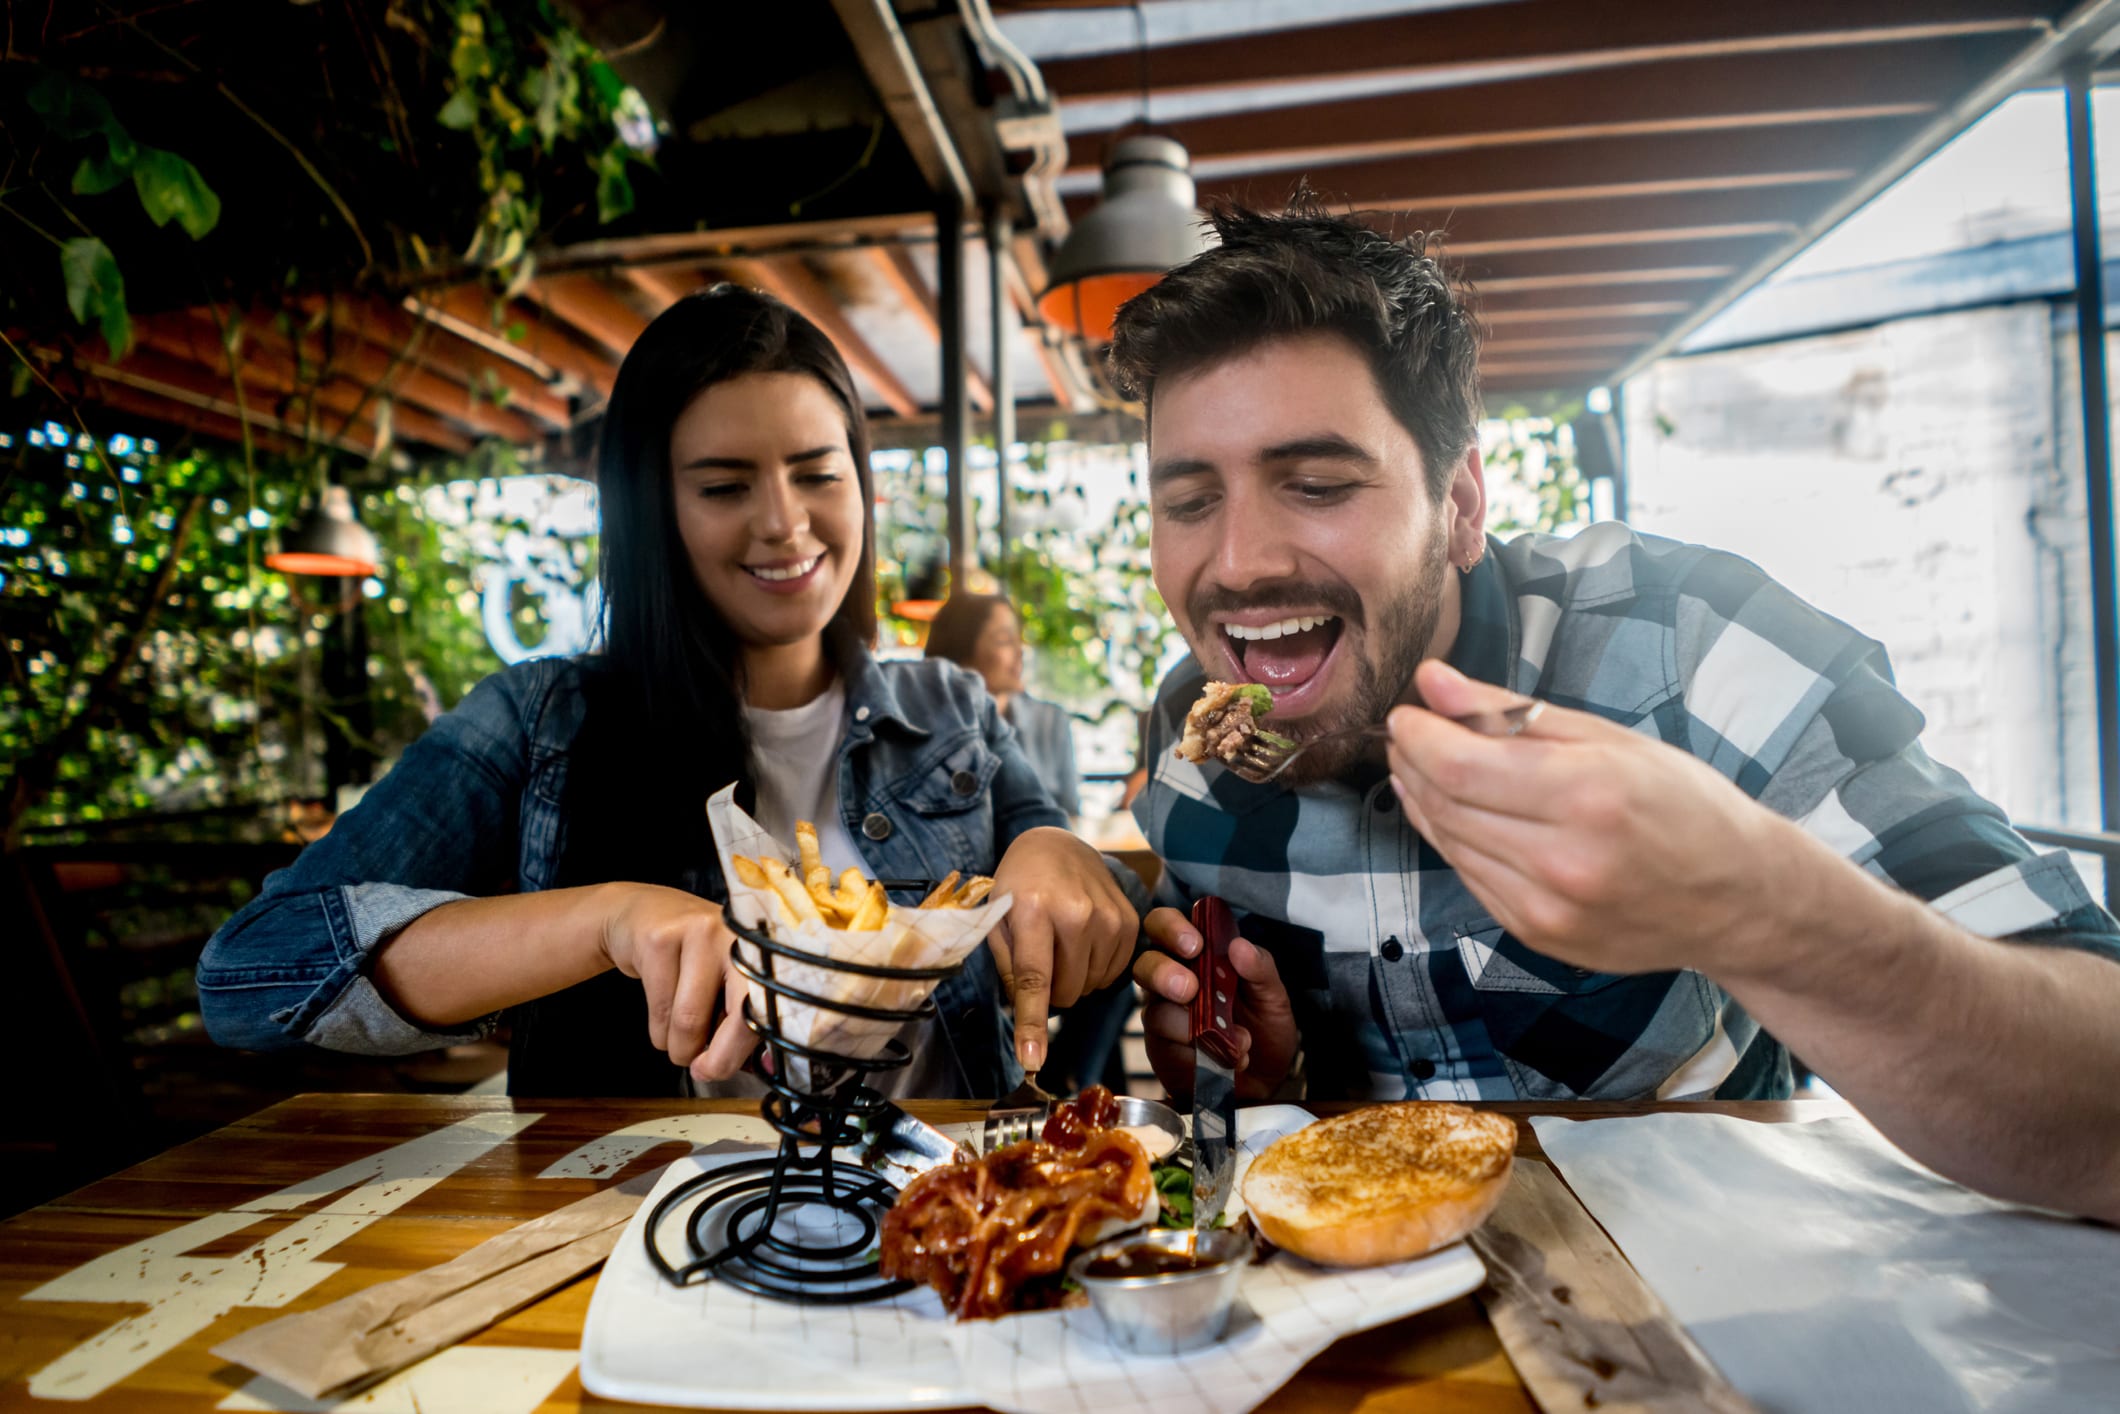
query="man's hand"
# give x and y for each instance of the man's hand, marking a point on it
(1591, 843)
(1069, 931)
(1266, 1025)
(678, 946)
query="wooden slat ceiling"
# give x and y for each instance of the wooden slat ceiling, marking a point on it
(1602, 170)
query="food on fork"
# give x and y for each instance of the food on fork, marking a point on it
(807, 894)
(1381, 1184)
(993, 1235)
(1224, 720)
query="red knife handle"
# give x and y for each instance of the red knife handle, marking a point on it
(1214, 1004)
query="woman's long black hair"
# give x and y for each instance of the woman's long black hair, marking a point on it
(663, 724)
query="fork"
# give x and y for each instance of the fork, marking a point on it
(1264, 756)
(1015, 1115)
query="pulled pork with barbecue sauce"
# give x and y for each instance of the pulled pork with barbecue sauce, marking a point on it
(993, 1235)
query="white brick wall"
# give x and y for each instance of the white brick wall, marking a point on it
(1920, 480)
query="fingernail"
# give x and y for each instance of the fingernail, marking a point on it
(1033, 1053)
(1190, 942)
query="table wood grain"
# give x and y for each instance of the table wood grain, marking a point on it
(1445, 1361)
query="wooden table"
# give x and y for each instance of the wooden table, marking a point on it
(1446, 1360)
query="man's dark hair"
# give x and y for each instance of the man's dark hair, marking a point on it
(1306, 271)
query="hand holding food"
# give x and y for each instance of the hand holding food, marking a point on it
(677, 944)
(1070, 931)
(1266, 1033)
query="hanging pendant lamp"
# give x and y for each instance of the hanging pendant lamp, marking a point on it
(1145, 226)
(330, 539)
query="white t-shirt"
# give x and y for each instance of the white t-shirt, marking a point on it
(795, 762)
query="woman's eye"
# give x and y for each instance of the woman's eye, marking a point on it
(722, 490)
(820, 478)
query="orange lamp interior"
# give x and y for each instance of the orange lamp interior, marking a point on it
(300, 563)
(1088, 306)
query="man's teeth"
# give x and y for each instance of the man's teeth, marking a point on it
(791, 572)
(1285, 626)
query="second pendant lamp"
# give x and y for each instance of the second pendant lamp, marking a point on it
(1144, 227)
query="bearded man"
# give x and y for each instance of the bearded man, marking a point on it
(1718, 840)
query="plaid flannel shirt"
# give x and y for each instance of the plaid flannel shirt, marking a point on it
(1402, 982)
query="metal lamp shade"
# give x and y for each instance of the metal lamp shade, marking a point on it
(329, 540)
(1144, 227)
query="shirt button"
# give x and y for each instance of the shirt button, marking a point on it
(1423, 1069)
(861, 714)
(1391, 950)
(964, 783)
(876, 827)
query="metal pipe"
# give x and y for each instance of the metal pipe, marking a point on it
(2097, 447)
(956, 388)
(999, 232)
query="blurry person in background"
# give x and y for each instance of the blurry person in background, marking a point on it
(982, 632)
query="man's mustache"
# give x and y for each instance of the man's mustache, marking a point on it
(1292, 595)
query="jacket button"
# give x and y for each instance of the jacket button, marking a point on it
(964, 783)
(876, 827)
(1391, 950)
(1423, 1069)
(1384, 801)
(861, 714)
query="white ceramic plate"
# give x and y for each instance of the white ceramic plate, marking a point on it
(712, 1346)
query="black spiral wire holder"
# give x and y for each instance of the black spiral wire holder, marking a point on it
(734, 1233)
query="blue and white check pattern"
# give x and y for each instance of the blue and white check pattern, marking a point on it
(1405, 986)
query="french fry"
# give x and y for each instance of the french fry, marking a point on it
(874, 909)
(853, 887)
(793, 893)
(974, 893)
(940, 896)
(748, 873)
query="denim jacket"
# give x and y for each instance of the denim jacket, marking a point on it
(930, 779)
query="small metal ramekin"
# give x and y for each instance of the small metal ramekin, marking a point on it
(1163, 1315)
(1156, 1115)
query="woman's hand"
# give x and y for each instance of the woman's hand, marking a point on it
(1266, 1024)
(678, 946)
(1069, 931)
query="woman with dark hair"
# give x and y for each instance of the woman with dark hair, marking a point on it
(982, 632)
(542, 852)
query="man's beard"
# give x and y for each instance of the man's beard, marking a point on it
(1396, 634)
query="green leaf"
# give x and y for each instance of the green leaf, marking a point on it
(460, 112)
(97, 175)
(614, 193)
(170, 187)
(96, 291)
(71, 109)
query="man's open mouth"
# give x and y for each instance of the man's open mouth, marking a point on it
(1286, 654)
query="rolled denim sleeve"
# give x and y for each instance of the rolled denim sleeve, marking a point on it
(291, 968)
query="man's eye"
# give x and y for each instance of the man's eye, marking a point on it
(1191, 508)
(1322, 492)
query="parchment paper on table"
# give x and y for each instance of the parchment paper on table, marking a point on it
(907, 936)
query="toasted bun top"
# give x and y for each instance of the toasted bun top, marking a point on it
(1350, 1167)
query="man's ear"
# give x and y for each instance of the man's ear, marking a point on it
(1467, 500)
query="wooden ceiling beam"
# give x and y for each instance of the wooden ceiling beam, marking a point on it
(391, 328)
(399, 374)
(151, 368)
(544, 342)
(1729, 96)
(272, 376)
(592, 308)
(664, 287)
(789, 280)
(895, 264)
(1561, 301)
(105, 391)
(1557, 34)
(1629, 264)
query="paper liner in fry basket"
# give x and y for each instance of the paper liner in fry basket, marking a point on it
(910, 937)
